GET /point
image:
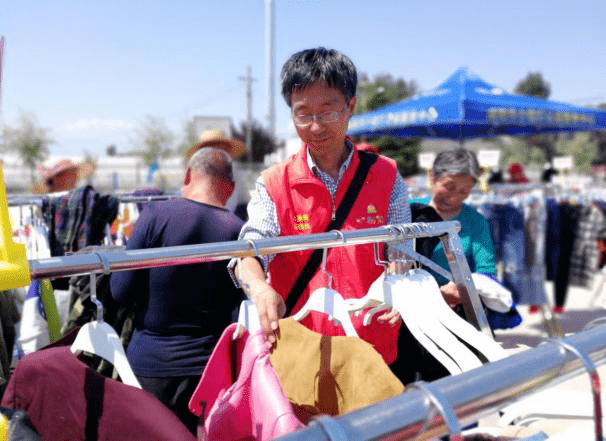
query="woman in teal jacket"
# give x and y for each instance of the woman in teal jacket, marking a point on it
(453, 175)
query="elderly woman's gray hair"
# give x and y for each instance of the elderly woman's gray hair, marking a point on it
(212, 161)
(456, 162)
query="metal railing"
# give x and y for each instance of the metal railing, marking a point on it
(120, 260)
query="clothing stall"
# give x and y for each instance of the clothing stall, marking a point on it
(103, 262)
(425, 410)
(545, 233)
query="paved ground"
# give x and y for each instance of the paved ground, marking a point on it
(582, 307)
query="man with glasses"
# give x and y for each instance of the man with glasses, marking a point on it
(302, 194)
(181, 311)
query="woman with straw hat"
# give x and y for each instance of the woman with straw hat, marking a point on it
(63, 176)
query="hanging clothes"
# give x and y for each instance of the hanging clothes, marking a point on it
(569, 220)
(66, 400)
(329, 375)
(507, 231)
(552, 239)
(9, 316)
(585, 255)
(535, 224)
(78, 219)
(239, 396)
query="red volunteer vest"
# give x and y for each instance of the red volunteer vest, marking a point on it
(304, 206)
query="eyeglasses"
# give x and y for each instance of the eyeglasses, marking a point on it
(322, 118)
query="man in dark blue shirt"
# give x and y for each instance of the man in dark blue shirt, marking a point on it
(181, 311)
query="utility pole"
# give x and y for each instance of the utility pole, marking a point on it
(248, 79)
(270, 59)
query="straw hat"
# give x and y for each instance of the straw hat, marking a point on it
(84, 169)
(216, 138)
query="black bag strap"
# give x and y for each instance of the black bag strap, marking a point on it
(367, 159)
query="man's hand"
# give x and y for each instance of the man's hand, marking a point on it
(451, 294)
(391, 316)
(269, 303)
(270, 306)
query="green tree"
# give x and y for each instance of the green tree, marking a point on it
(384, 89)
(405, 151)
(152, 139)
(29, 140)
(263, 143)
(190, 137)
(534, 85)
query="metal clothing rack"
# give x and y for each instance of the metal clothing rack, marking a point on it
(428, 410)
(120, 260)
(38, 200)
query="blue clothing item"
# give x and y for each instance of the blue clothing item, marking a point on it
(507, 229)
(502, 320)
(182, 310)
(475, 239)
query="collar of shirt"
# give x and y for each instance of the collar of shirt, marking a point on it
(328, 181)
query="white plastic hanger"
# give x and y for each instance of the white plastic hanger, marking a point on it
(377, 297)
(411, 321)
(328, 301)
(442, 325)
(379, 294)
(248, 318)
(99, 338)
(453, 322)
(413, 304)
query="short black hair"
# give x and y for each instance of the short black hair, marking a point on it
(306, 67)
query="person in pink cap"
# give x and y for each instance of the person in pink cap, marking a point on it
(63, 176)
(516, 174)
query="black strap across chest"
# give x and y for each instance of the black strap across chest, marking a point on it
(366, 161)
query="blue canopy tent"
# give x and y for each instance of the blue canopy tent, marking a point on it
(465, 106)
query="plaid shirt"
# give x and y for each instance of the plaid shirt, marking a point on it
(585, 256)
(263, 217)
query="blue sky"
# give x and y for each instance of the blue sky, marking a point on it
(91, 71)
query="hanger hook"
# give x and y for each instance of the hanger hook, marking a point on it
(378, 259)
(340, 235)
(104, 262)
(594, 380)
(439, 401)
(254, 246)
(93, 285)
(328, 275)
(93, 296)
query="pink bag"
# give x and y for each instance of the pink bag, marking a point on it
(253, 407)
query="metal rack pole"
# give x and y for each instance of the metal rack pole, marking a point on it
(38, 200)
(461, 275)
(472, 395)
(121, 260)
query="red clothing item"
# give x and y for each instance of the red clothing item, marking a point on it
(304, 206)
(66, 400)
(252, 406)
